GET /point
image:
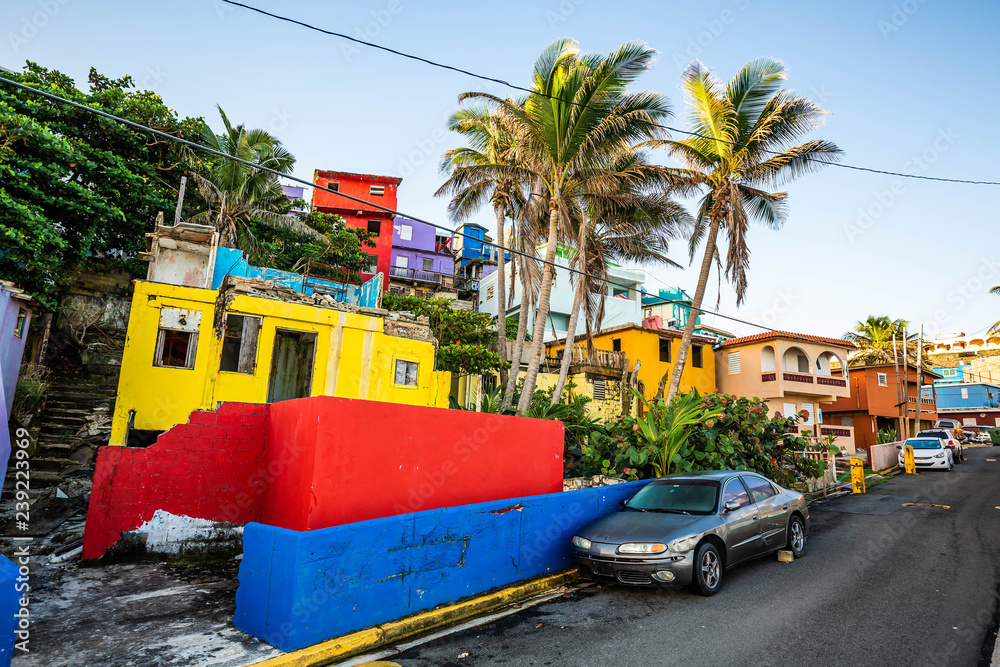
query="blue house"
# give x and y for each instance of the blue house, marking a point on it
(954, 374)
(967, 396)
(475, 256)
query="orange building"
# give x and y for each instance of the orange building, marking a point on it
(793, 373)
(874, 403)
(371, 188)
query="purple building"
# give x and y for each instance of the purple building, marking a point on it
(15, 317)
(294, 192)
(422, 261)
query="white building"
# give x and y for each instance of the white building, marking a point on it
(622, 306)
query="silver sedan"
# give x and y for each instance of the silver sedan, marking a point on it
(690, 528)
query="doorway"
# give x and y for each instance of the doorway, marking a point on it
(291, 365)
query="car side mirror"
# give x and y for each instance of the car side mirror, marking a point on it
(732, 505)
(899, 446)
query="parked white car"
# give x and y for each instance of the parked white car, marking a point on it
(950, 438)
(928, 452)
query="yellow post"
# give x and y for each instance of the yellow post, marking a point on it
(858, 475)
(908, 462)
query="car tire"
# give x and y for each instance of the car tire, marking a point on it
(796, 537)
(708, 570)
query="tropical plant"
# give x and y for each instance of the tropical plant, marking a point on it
(32, 385)
(77, 190)
(579, 116)
(873, 340)
(238, 195)
(479, 173)
(885, 436)
(741, 148)
(667, 427)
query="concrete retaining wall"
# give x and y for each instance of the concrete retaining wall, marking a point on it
(301, 588)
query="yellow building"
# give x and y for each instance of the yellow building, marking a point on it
(190, 348)
(630, 355)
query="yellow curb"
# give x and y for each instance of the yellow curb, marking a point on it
(339, 648)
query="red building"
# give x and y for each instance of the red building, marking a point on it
(369, 187)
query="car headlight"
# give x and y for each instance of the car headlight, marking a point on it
(581, 542)
(642, 548)
(939, 456)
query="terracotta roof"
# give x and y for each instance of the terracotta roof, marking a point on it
(771, 335)
(625, 327)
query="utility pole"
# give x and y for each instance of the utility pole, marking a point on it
(906, 388)
(180, 201)
(920, 377)
(900, 399)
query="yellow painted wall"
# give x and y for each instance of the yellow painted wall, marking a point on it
(643, 344)
(354, 359)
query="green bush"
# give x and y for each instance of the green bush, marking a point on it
(30, 390)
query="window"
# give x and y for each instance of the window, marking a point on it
(696, 360)
(735, 491)
(760, 489)
(402, 261)
(600, 389)
(883, 380)
(372, 264)
(428, 264)
(803, 363)
(489, 292)
(239, 344)
(406, 232)
(376, 190)
(767, 360)
(22, 317)
(375, 226)
(847, 421)
(734, 363)
(177, 340)
(616, 344)
(406, 373)
(790, 410)
(665, 344)
(334, 185)
(809, 420)
(949, 372)
(965, 392)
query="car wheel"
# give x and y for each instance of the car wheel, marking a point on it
(796, 537)
(707, 570)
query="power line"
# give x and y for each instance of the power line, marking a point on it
(211, 151)
(502, 82)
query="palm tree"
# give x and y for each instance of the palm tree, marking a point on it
(996, 326)
(237, 193)
(630, 220)
(741, 149)
(475, 177)
(873, 339)
(578, 116)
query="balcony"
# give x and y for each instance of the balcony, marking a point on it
(441, 280)
(606, 359)
(923, 401)
(464, 284)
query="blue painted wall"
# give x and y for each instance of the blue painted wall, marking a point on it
(977, 396)
(10, 606)
(301, 588)
(230, 261)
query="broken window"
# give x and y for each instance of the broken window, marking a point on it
(406, 373)
(177, 340)
(239, 344)
(372, 264)
(375, 226)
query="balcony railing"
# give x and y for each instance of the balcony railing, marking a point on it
(599, 358)
(831, 381)
(923, 401)
(768, 377)
(420, 276)
(797, 377)
(466, 284)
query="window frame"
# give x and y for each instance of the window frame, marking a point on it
(746, 492)
(333, 185)
(882, 379)
(376, 190)
(190, 356)
(616, 344)
(378, 226)
(372, 264)
(406, 372)
(763, 481)
(697, 356)
(426, 261)
(738, 365)
(405, 232)
(22, 318)
(246, 363)
(669, 347)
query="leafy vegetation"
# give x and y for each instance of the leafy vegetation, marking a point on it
(32, 384)
(465, 337)
(873, 338)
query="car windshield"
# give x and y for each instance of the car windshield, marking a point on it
(681, 496)
(924, 443)
(934, 434)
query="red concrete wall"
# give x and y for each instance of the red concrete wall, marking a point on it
(344, 460)
(213, 467)
(357, 214)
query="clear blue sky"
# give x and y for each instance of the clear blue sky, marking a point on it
(902, 80)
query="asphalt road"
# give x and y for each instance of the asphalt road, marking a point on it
(881, 584)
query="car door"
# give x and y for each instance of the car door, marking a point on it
(773, 514)
(742, 525)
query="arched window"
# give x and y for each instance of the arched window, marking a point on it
(829, 363)
(795, 360)
(767, 359)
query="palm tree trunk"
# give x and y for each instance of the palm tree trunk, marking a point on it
(522, 329)
(545, 293)
(501, 291)
(574, 314)
(699, 295)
